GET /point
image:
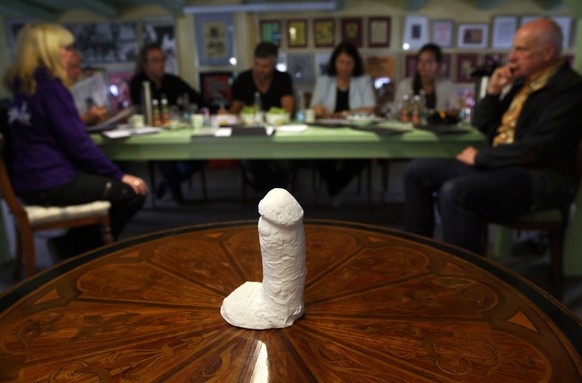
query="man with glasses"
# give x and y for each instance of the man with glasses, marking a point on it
(150, 67)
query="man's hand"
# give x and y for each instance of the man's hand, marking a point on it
(467, 156)
(500, 78)
(94, 115)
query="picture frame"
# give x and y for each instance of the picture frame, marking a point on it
(324, 32)
(504, 28)
(214, 39)
(215, 88)
(465, 64)
(118, 80)
(103, 43)
(351, 30)
(565, 24)
(297, 33)
(409, 64)
(379, 32)
(442, 33)
(322, 62)
(415, 32)
(472, 35)
(446, 66)
(270, 31)
(300, 67)
(527, 18)
(12, 27)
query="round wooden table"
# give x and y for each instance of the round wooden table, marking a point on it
(380, 306)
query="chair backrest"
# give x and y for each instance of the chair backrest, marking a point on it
(578, 168)
(6, 191)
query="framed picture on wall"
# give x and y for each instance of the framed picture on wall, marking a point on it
(321, 62)
(472, 36)
(442, 33)
(118, 82)
(527, 18)
(106, 42)
(270, 31)
(297, 33)
(323, 32)
(300, 68)
(379, 32)
(466, 63)
(445, 67)
(565, 23)
(351, 30)
(13, 26)
(215, 88)
(409, 64)
(415, 32)
(504, 28)
(214, 39)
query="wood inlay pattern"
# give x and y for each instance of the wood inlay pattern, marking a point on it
(380, 306)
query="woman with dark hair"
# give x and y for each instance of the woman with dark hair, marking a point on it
(345, 89)
(439, 93)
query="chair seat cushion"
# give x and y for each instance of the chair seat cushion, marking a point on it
(38, 215)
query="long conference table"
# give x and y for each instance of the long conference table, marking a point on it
(312, 143)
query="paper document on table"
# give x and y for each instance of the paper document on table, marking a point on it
(123, 133)
(110, 122)
(292, 128)
(223, 132)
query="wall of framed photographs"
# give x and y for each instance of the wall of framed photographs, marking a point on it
(387, 35)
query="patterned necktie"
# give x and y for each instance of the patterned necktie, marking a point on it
(506, 131)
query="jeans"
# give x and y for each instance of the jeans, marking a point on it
(466, 198)
(86, 188)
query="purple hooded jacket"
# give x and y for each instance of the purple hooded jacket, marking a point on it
(48, 143)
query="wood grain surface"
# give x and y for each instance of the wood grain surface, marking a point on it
(380, 306)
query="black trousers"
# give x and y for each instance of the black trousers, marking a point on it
(85, 188)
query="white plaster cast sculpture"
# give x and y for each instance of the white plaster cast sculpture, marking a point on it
(278, 301)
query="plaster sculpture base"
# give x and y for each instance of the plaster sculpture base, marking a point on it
(278, 301)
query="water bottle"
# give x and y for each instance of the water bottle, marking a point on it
(258, 108)
(300, 117)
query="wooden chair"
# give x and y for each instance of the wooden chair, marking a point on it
(555, 223)
(30, 219)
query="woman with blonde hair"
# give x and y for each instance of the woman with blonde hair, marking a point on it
(51, 158)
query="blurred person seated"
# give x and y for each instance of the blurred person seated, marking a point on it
(51, 159)
(92, 114)
(531, 116)
(276, 91)
(344, 90)
(150, 67)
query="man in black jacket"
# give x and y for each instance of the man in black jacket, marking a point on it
(533, 133)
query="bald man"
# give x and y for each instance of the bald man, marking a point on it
(531, 116)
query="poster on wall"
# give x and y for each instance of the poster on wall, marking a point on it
(415, 32)
(119, 94)
(300, 68)
(466, 63)
(106, 43)
(161, 30)
(214, 39)
(215, 88)
(270, 31)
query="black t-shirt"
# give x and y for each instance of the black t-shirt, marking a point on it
(172, 87)
(342, 100)
(244, 90)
